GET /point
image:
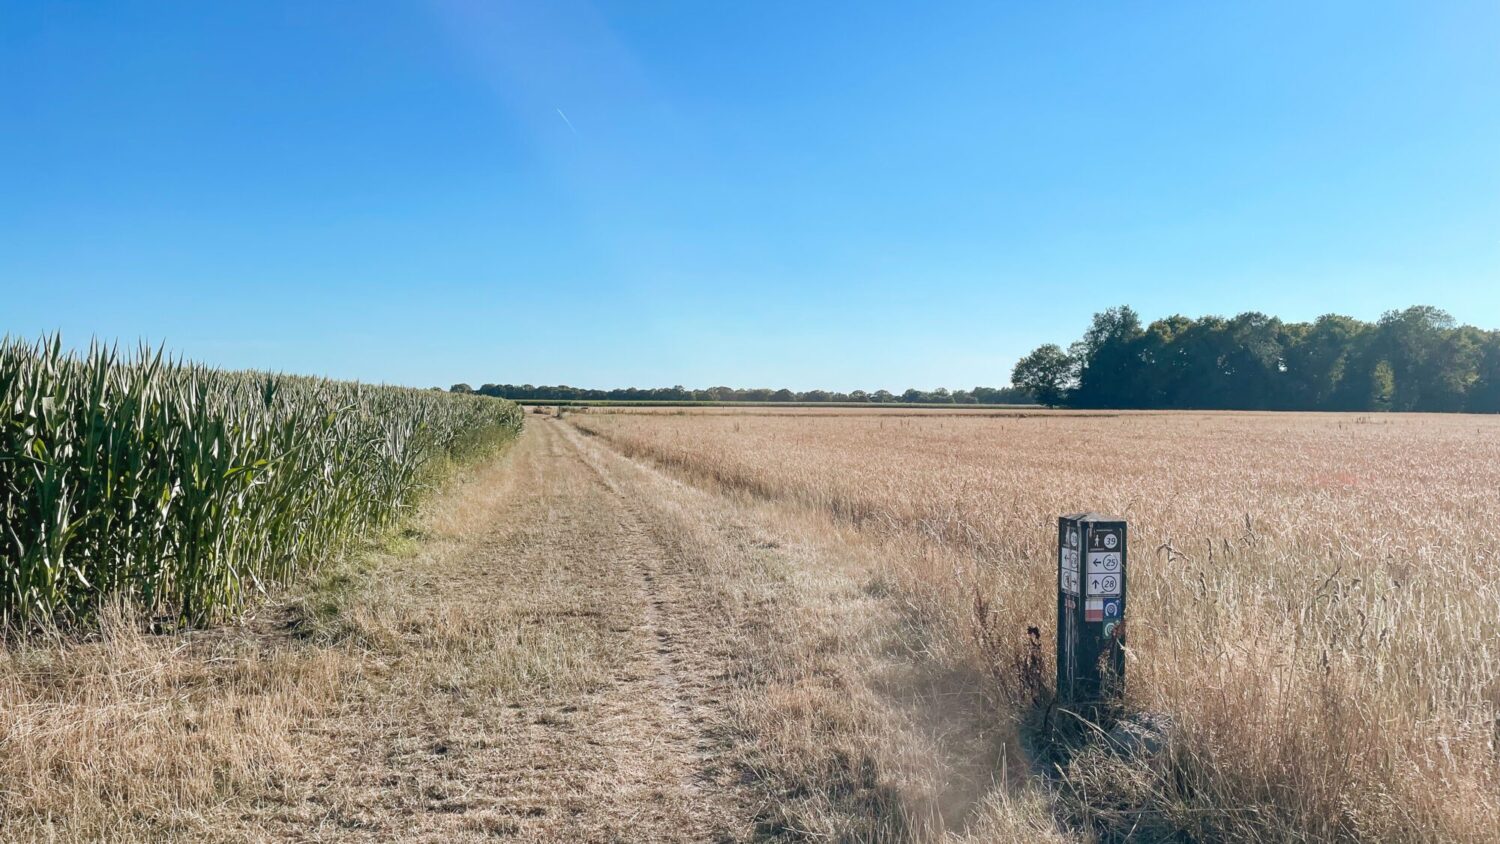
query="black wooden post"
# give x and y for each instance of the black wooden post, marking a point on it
(1091, 560)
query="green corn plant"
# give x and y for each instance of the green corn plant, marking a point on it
(188, 490)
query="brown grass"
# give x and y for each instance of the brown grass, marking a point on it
(839, 720)
(1313, 598)
(121, 735)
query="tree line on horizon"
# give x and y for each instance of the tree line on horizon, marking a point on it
(942, 395)
(1418, 359)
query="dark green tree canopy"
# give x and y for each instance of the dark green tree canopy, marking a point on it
(1418, 359)
(1047, 374)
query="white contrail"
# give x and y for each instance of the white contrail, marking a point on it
(567, 121)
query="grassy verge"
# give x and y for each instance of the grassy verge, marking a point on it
(110, 732)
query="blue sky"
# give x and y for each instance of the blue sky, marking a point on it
(835, 195)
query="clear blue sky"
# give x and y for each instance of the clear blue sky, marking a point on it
(802, 194)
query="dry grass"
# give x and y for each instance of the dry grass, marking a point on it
(121, 735)
(127, 736)
(838, 721)
(1313, 597)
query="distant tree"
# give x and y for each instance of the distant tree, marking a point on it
(460, 388)
(783, 395)
(1406, 340)
(882, 396)
(1253, 361)
(1107, 360)
(1317, 357)
(1159, 353)
(1002, 395)
(1046, 373)
(1484, 394)
(1204, 375)
(1452, 369)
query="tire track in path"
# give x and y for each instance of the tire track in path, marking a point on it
(674, 690)
(556, 679)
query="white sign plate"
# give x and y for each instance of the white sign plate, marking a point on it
(1104, 562)
(1104, 585)
(1068, 581)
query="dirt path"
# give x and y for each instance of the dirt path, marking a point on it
(561, 680)
(609, 653)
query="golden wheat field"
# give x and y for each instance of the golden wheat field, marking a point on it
(1315, 599)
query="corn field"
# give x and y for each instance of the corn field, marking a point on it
(186, 490)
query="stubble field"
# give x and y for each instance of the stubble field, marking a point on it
(1315, 610)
